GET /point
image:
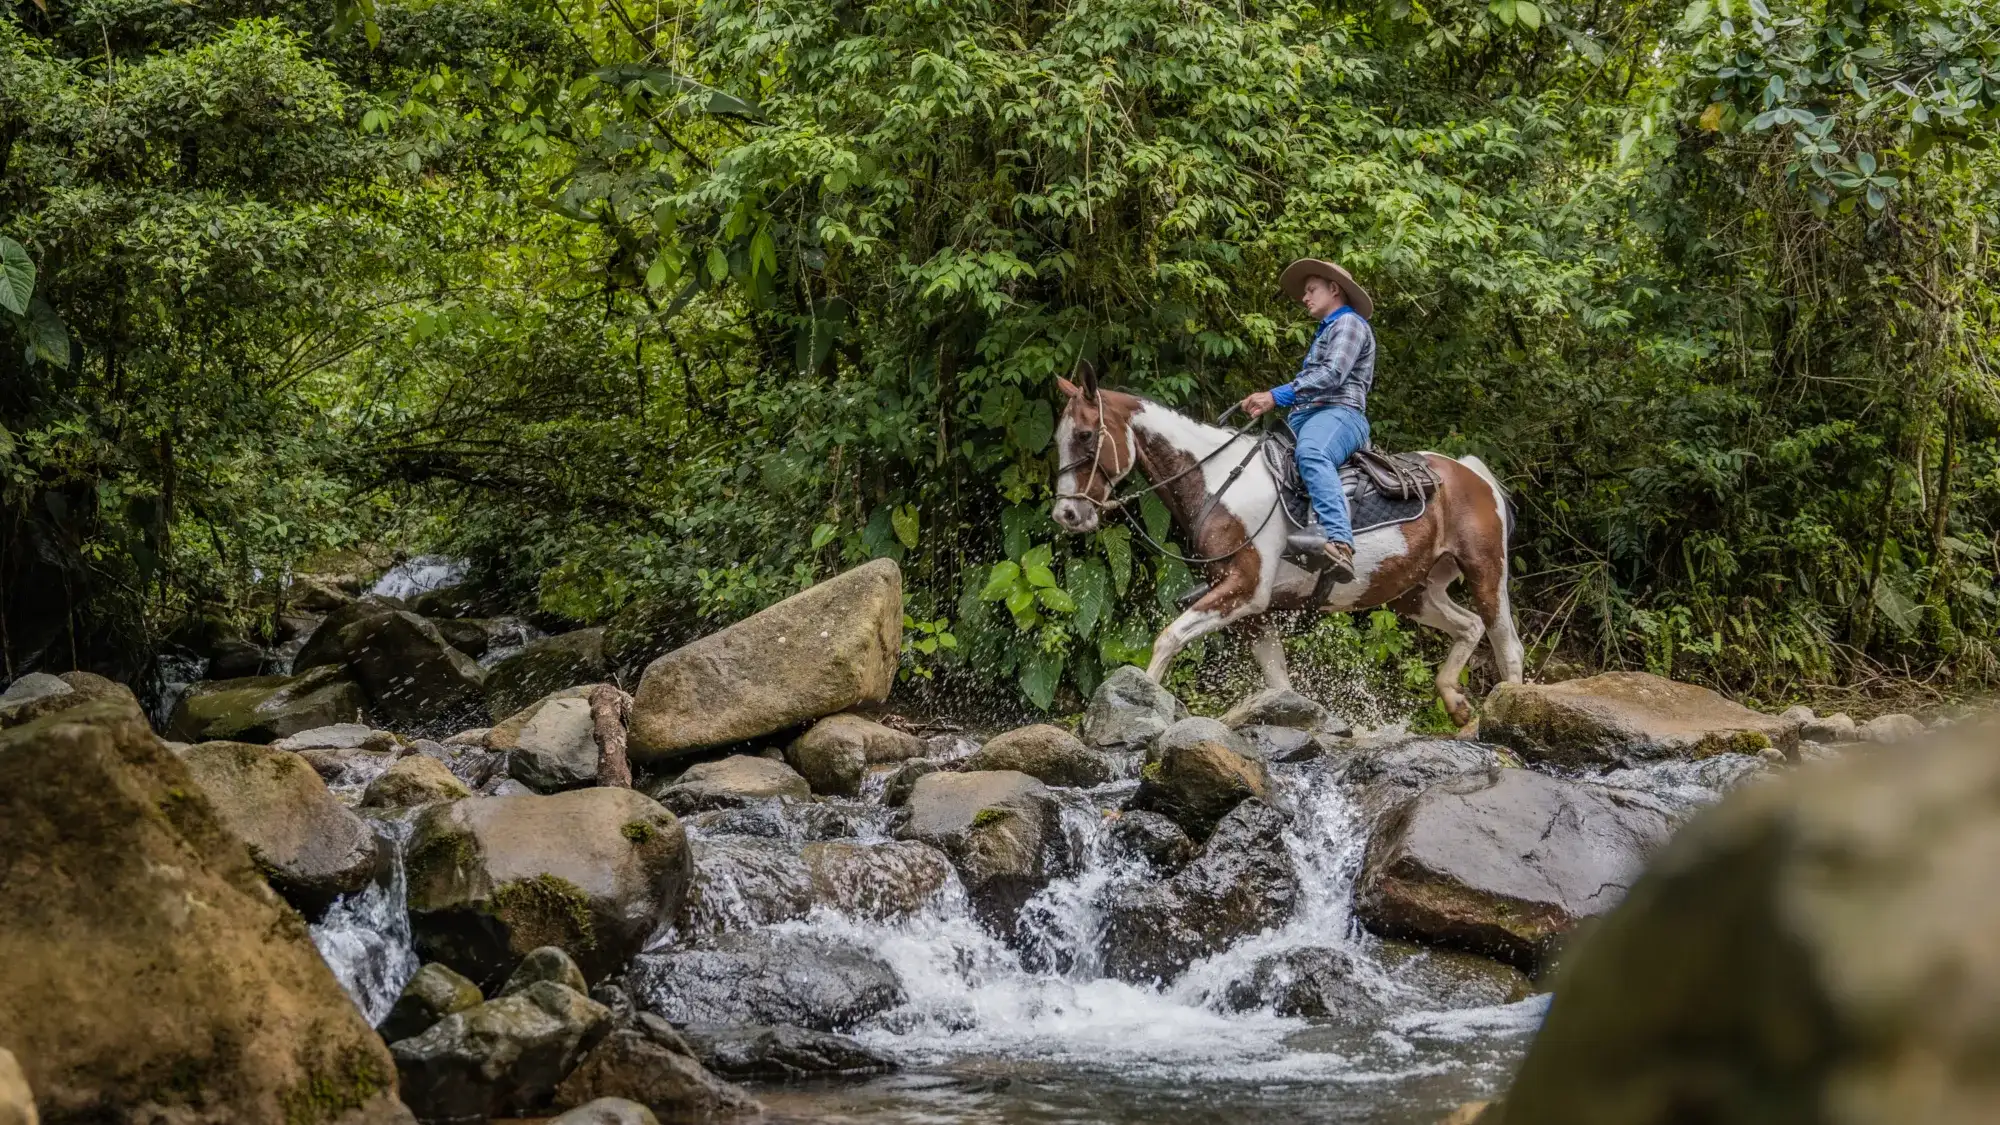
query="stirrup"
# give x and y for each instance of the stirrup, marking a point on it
(1308, 545)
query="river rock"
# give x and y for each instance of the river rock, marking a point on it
(1282, 744)
(814, 654)
(658, 1073)
(17, 1101)
(413, 676)
(1306, 982)
(1047, 753)
(1620, 718)
(606, 1111)
(233, 658)
(876, 880)
(551, 744)
(151, 974)
(741, 883)
(1154, 837)
(326, 647)
(431, 994)
(767, 977)
(1128, 711)
(547, 963)
(1001, 829)
(1202, 769)
(501, 1058)
(835, 753)
(84, 687)
(1389, 773)
(782, 1053)
(1819, 949)
(338, 736)
(1241, 884)
(1278, 707)
(1829, 729)
(593, 871)
(33, 686)
(1890, 728)
(316, 595)
(470, 764)
(543, 666)
(732, 782)
(311, 847)
(1447, 978)
(412, 781)
(263, 708)
(1505, 864)
(903, 779)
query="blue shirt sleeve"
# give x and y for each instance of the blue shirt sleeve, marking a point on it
(1284, 395)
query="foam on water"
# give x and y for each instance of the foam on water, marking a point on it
(420, 576)
(365, 938)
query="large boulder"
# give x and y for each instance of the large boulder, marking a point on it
(656, 1071)
(1002, 830)
(545, 665)
(1047, 753)
(782, 1052)
(592, 871)
(417, 779)
(1242, 883)
(1310, 982)
(767, 976)
(150, 973)
(501, 1058)
(1390, 773)
(1505, 863)
(327, 646)
(816, 653)
(36, 697)
(265, 708)
(1201, 770)
(836, 752)
(551, 744)
(1816, 949)
(731, 783)
(547, 963)
(311, 847)
(1620, 718)
(875, 880)
(741, 882)
(1128, 711)
(413, 675)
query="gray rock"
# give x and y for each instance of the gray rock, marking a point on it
(1048, 753)
(896, 791)
(1194, 732)
(1448, 979)
(33, 686)
(547, 963)
(947, 748)
(1507, 863)
(326, 647)
(312, 848)
(552, 744)
(782, 1052)
(634, 1066)
(795, 821)
(339, 736)
(498, 1059)
(413, 676)
(1306, 982)
(835, 753)
(1890, 728)
(1622, 718)
(1002, 830)
(1819, 949)
(1201, 770)
(732, 782)
(433, 993)
(594, 871)
(1800, 715)
(608, 1111)
(741, 883)
(412, 781)
(1241, 884)
(1392, 772)
(263, 708)
(1154, 837)
(233, 657)
(506, 787)
(767, 977)
(875, 880)
(1127, 711)
(1282, 744)
(471, 764)
(1837, 727)
(546, 665)
(1278, 707)
(814, 654)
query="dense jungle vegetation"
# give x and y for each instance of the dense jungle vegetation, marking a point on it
(657, 311)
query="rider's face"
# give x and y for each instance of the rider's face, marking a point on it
(1320, 297)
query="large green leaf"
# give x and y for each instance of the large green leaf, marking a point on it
(17, 276)
(1002, 581)
(48, 340)
(1090, 586)
(1117, 544)
(1039, 677)
(1159, 522)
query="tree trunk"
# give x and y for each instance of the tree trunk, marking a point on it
(609, 708)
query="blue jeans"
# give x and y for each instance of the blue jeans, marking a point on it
(1328, 436)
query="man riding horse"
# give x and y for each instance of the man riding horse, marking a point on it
(1328, 398)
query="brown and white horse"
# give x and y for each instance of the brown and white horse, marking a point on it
(1106, 434)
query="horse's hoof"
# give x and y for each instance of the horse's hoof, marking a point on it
(1469, 732)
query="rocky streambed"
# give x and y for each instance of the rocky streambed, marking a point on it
(1153, 916)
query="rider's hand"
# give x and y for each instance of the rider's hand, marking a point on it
(1258, 403)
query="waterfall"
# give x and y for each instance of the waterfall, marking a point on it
(365, 938)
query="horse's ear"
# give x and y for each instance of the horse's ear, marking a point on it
(1089, 374)
(1067, 387)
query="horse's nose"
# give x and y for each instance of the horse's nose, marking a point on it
(1072, 515)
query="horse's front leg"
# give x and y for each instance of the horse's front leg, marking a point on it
(1240, 594)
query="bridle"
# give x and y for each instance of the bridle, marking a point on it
(1120, 503)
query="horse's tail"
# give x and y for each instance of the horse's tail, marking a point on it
(1499, 493)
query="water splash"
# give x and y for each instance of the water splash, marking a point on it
(365, 938)
(420, 575)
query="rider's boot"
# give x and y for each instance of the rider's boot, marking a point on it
(1339, 561)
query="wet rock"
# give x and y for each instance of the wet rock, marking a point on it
(546, 665)
(338, 736)
(1048, 753)
(413, 676)
(470, 764)
(506, 787)
(17, 1101)
(1241, 884)
(798, 821)
(1619, 718)
(33, 686)
(413, 781)
(1507, 863)
(593, 871)
(501, 1058)
(348, 769)
(1154, 837)
(263, 708)
(1837, 727)
(1307, 982)
(433, 993)
(741, 883)
(814, 654)
(1815, 950)
(607, 1111)
(85, 687)
(551, 744)
(469, 635)
(664, 1077)
(835, 753)
(1002, 831)
(879, 881)
(547, 963)
(1447, 978)
(1890, 728)
(732, 783)
(1279, 707)
(767, 977)
(233, 658)
(1128, 711)
(896, 791)
(327, 647)
(1202, 770)
(769, 1053)
(456, 600)
(147, 963)
(471, 736)
(315, 595)
(947, 748)
(312, 848)
(1394, 771)
(1282, 744)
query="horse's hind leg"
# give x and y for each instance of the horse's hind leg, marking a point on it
(1434, 607)
(1486, 585)
(1267, 648)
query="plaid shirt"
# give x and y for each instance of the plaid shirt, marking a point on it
(1339, 366)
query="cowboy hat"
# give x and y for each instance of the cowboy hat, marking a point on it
(1293, 282)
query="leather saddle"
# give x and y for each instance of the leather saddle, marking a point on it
(1382, 489)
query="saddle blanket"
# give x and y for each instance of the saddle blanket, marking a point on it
(1369, 505)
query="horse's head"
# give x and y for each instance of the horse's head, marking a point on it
(1094, 451)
